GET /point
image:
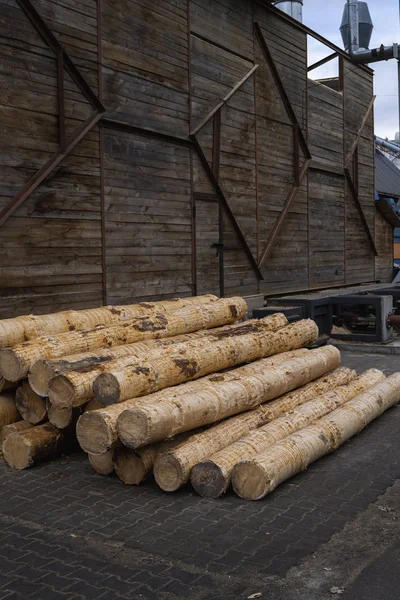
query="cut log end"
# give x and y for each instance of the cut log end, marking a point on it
(250, 481)
(208, 480)
(30, 405)
(106, 389)
(168, 473)
(17, 452)
(133, 428)
(61, 417)
(129, 466)
(61, 392)
(102, 463)
(10, 365)
(93, 433)
(39, 377)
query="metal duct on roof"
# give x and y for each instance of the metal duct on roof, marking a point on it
(293, 9)
(356, 39)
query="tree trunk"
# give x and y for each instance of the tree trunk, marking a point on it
(32, 446)
(211, 478)
(234, 393)
(43, 370)
(75, 388)
(31, 406)
(12, 428)
(62, 417)
(97, 432)
(255, 478)
(19, 329)
(15, 362)
(199, 360)
(8, 411)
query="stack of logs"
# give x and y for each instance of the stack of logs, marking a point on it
(183, 389)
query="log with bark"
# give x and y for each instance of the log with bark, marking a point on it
(31, 406)
(211, 477)
(8, 410)
(97, 432)
(254, 478)
(75, 388)
(43, 371)
(15, 362)
(20, 329)
(198, 360)
(35, 445)
(221, 397)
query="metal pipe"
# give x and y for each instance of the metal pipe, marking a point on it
(364, 57)
(393, 321)
(388, 145)
(354, 36)
(294, 8)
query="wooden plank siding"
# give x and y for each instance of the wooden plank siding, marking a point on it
(131, 213)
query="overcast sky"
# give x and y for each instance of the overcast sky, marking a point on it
(325, 17)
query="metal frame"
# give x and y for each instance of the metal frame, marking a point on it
(299, 142)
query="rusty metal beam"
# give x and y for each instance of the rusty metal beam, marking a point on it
(359, 134)
(224, 100)
(48, 167)
(281, 88)
(50, 39)
(323, 61)
(279, 222)
(354, 193)
(222, 199)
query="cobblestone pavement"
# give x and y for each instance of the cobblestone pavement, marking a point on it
(70, 534)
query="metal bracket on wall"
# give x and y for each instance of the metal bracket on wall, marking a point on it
(299, 142)
(65, 146)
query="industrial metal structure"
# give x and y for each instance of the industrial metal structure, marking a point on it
(153, 150)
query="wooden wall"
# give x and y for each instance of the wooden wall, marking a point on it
(131, 214)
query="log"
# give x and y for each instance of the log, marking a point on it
(31, 406)
(62, 417)
(12, 428)
(6, 385)
(211, 478)
(43, 370)
(8, 411)
(20, 329)
(256, 477)
(234, 393)
(15, 362)
(198, 360)
(103, 463)
(98, 431)
(33, 446)
(75, 388)
(133, 466)
(91, 405)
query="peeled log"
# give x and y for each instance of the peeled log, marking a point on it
(98, 431)
(75, 388)
(12, 428)
(19, 329)
(43, 370)
(31, 406)
(247, 388)
(15, 362)
(8, 411)
(32, 446)
(198, 360)
(255, 478)
(211, 478)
